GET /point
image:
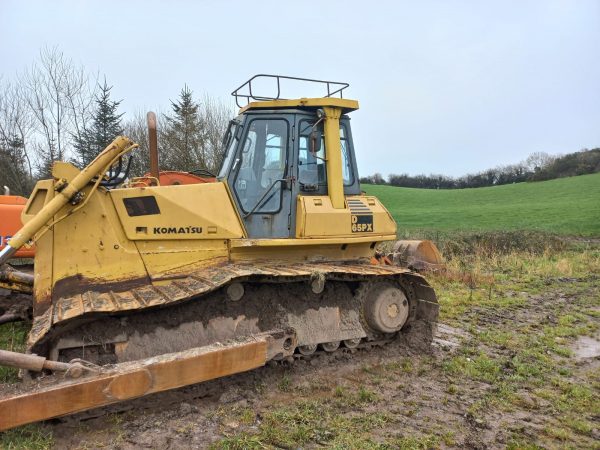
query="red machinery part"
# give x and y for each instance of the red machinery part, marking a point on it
(11, 207)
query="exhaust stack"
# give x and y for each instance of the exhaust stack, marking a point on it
(153, 145)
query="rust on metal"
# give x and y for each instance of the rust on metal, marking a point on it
(15, 280)
(417, 255)
(69, 286)
(153, 145)
(133, 379)
(31, 362)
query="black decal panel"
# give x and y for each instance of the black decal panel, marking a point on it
(362, 223)
(141, 206)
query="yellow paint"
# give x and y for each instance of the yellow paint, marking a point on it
(166, 258)
(317, 218)
(346, 105)
(93, 245)
(303, 250)
(333, 154)
(186, 213)
(64, 170)
(314, 243)
(69, 189)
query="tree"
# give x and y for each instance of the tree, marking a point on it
(13, 167)
(106, 125)
(183, 134)
(15, 130)
(193, 133)
(59, 99)
(538, 161)
(214, 118)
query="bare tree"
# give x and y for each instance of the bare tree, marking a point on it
(214, 118)
(16, 128)
(538, 160)
(59, 96)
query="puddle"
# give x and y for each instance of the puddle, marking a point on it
(586, 347)
(447, 337)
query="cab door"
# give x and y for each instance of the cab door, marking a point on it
(260, 175)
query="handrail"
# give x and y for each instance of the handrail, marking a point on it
(263, 199)
(333, 88)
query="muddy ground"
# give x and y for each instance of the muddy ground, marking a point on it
(515, 364)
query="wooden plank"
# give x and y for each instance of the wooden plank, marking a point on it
(133, 379)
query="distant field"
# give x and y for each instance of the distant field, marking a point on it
(565, 206)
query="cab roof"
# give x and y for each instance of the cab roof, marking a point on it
(345, 104)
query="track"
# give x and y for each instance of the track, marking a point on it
(325, 321)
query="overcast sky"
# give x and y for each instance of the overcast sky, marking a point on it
(444, 86)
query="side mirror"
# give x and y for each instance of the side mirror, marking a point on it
(315, 141)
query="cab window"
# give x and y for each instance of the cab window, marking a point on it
(312, 171)
(261, 163)
(346, 163)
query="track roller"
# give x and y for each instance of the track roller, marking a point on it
(331, 346)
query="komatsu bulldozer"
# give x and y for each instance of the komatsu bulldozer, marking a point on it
(140, 288)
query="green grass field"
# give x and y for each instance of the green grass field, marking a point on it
(568, 206)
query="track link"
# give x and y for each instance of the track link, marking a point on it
(320, 320)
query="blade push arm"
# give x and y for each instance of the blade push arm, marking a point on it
(68, 192)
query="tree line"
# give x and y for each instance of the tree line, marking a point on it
(537, 167)
(55, 110)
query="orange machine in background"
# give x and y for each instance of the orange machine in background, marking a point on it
(11, 207)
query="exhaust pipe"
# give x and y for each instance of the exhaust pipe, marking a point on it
(153, 144)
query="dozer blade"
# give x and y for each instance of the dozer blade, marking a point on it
(417, 255)
(138, 378)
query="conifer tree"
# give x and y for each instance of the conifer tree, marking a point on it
(183, 134)
(13, 167)
(106, 125)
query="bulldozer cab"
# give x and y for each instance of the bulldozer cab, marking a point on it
(276, 151)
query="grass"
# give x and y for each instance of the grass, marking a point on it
(12, 337)
(567, 206)
(30, 437)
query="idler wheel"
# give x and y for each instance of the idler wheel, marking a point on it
(385, 307)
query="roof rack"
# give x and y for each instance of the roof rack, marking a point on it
(334, 88)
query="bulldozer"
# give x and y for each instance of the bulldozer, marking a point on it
(141, 287)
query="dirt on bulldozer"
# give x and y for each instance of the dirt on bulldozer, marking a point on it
(232, 301)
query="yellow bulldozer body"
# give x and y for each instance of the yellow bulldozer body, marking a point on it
(197, 226)
(142, 235)
(135, 287)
